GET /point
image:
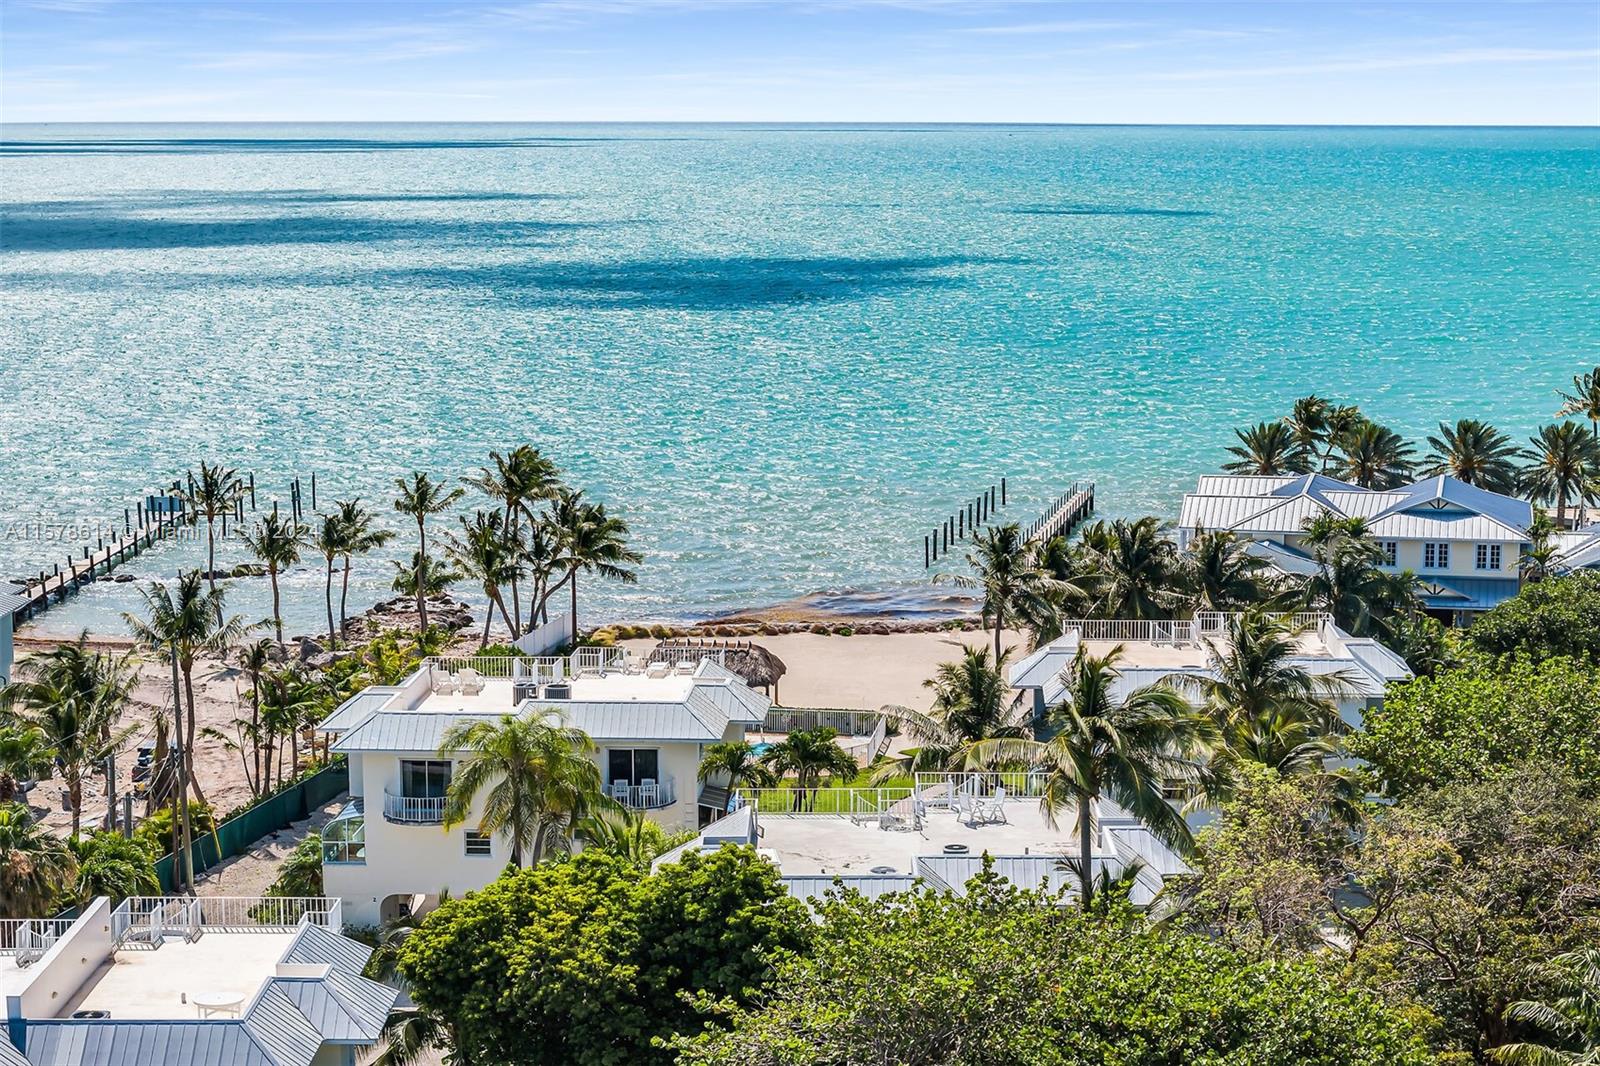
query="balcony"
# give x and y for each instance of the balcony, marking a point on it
(647, 795)
(413, 810)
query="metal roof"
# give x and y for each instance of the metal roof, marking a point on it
(1283, 557)
(1044, 665)
(1580, 549)
(282, 1028)
(349, 1015)
(1448, 491)
(814, 888)
(11, 603)
(404, 731)
(317, 945)
(358, 708)
(62, 1042)
(10, 1056)
(1465, 593)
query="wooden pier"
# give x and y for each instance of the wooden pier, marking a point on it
(1064, 514)
(963, 523)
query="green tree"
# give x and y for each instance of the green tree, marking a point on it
(25, 754)
(1220, 574)
(1132, 569)
(536, 779)
(1003, 566)
(1347, 583)
(1569, 1022)
(1483, 720)
(112, 865)
(1373, 457)
(1558, 617)
(1584, 400)
(429, 579)
(1308, 422)
(36, 867)
(300, 874)
(736, 763)
(1004, 976)
(330, 538)
(211, 494)
(75, 697)
(361, 535)
(586, 962)
(421, 498)
(812, 757)
(518, 479)
(1474, 452)
(1127, 751)
(276, 543)
(588, 540)
(484, 555)
(971, 702)
(629, 835)
(1538, 560)
(1267, 449)
(1561, 464)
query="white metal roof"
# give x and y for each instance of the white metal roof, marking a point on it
(404, 731)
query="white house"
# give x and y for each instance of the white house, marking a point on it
(388, 850)
(1464, 543)
(214, 981)
(10, 603)
(1359, 668)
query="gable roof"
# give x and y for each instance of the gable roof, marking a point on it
(228, 1042)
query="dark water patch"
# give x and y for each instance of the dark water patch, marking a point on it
(1127, 210)
(26, 231)
(184, 199)
(715, 283)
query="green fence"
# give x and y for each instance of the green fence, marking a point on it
(235, 836)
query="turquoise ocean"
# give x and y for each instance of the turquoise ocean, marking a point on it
(781, 353)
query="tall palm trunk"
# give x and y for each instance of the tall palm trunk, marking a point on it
(422, 577)
(211, 551)
(258, 785)
(277, 610)
(327, 599)
(574, 576)
(188, 747)
(1085, 848)
(513, 527)
(75, 797)
(344, 593)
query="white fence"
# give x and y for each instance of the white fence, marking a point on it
(849, 723)
(645, 796)
(582, 662)
(1204, 624)
(541, 640)
(29, 938)
(147, 920)
(413, 810)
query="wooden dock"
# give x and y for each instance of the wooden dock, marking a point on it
(1064, 514)
(963, 523)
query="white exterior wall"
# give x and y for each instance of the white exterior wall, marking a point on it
(1409, 556)
(677, 760)
(56, 978)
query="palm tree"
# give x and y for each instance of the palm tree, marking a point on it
(1308, 422)
(481, 552)
(360, 537)
(1373, 457)
(1474, 452)
(541, 554)
(288, 697)
(971, 702)
(737, 763)
(331, 539)
(1571, 1019)
(181, 626)
(1337, 423)
(420, 497)
(1126, 751)
(36, 867)
(431, 579)
(1267, 707)
(1584, 399)
(1538, 560)
(254, 659)
(518, 480)
(811, 756)
(590, 541)
(1347, 584)
(110, 864)
(1134, 571)
(1267, 448)
(276, 543)
(1004, 568)
(75, 697)
(25, 754)
(1562, 460)
(1220, 574)
(212, 494)
(538, 775)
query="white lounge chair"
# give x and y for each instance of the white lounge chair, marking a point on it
(471, 681)
(686, 667)
(963, 809)
(658, 669)
(444, 682)
(994, 811)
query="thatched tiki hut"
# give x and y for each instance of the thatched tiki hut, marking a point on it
(755, 665)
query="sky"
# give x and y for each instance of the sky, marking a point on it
(1275, 61)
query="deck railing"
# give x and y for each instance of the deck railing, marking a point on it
(29, 938)
(1204, 624)
(582, 662)
(844, 801)
(645, 796)
(413, 810)
(147, 920)
(848, 723)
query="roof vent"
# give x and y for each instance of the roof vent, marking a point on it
(558, 692)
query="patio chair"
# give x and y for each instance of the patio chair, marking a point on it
(619, 792)
(647, 792)
(993, 812)
(686, 667)
(964, 809)
(471, 681)
(444, 682)
(658, 668)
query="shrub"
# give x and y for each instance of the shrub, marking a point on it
(1560, 616)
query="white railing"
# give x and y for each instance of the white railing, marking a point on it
(1176, 630)
(29, 938)
(943, 789)
(846, 801)
(648, 796)
(878, 739)
(582, 662)
(413, 810)
(849, 723)
(147, 919)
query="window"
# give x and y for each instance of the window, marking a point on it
(1488, 557)
(633, 765)
(1436, 555)
(424, 778)
(479, 843)
(344, 840)
(1391, 551)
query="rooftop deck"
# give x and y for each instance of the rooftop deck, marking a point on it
(162, 983)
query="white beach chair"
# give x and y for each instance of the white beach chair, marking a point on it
(658, 669)
(647, 792)
(471, 681)
(619, 792)
(994, 811)
(686, 667)
(444, 682)
(963, 809)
